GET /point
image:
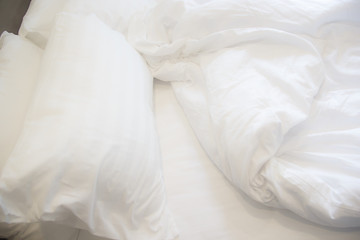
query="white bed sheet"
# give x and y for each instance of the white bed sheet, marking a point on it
(204, 204)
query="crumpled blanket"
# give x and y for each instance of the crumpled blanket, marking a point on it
(272, 92)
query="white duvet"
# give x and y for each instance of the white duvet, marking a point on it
(272, 91)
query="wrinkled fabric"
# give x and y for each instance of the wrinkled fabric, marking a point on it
(19, 65)
(88, 154)
(272, 92)
(39, 20)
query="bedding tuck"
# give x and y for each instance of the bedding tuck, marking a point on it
(88, 154)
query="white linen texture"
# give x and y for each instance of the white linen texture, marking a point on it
(19, 65)
(88, 156)
(272, 92)
(40, 17)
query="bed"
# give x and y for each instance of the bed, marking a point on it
(256, 107)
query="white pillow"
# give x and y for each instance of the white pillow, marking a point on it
(19, 63)
(115, 13)
(39, 19)
(88, 155)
